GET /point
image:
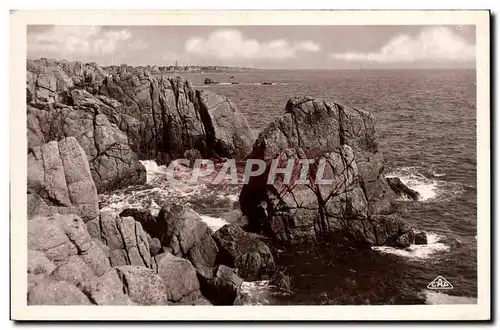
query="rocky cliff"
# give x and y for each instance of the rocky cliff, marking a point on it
(127, 115)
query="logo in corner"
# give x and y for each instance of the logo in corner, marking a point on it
(440, 283)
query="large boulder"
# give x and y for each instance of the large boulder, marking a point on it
(125, 238)
(221, 284)
(143, 285)
(179, 277)
(241, 250)
(340, 143)
(187, 236)
(59, 181)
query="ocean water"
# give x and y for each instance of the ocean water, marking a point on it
(426, 126)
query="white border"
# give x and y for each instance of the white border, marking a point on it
(18, 160)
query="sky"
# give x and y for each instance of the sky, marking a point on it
(267, 47)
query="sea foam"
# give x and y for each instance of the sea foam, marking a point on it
(433, 246)
(426, 183)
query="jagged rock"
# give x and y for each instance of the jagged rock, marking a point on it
(179, 277)
(406, 239)
(67, 267)
(227, 131)
(124, 111)
(338, 137)
(421, 238)
(187, 236)
(87, 76)
(125, 238)
(148, 222)
(241, 250)
(164, 117)
(221, 285)
(385, 230)
(111, 161)
(401, 189)
(59, 181)
(142, 285)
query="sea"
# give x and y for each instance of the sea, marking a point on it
(426, 127)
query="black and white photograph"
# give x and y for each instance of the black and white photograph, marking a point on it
(229, 162)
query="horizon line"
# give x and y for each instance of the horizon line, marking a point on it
(371, 68)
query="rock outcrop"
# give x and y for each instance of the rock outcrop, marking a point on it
(124, 237)
(401, 189)
(179, 277)
(164, 117)
(209, 81)
(221, 284)
(127, 114)
(112, 163)
(353, 197)
(65, 266)
(68, 266)
(239, 249)
(59, 181)
(186, 236)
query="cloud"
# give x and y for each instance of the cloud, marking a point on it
(431, 44)
(308, 46)
(231, 44)
(80, 40)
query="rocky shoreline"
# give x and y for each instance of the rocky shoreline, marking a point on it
(88, 129)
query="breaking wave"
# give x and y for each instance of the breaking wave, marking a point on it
(427, 183)
(434, 244)
(198, 195)
(213, 222)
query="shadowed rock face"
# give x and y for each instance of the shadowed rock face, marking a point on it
(164, 117)
(342, 142)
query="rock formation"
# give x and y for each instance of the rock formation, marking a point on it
(209, 81)
(241, 250)
(352, 205)
(126, 241)
(59, 181)
(112, 163)
(401, 189)
(68, 266)
(157, 117)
